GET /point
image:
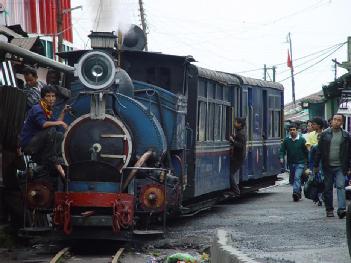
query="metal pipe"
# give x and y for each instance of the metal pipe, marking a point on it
(34, 57)
(138, 164)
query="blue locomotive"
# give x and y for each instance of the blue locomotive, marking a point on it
(148, 139)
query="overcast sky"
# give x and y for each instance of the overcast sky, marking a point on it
(237, 36)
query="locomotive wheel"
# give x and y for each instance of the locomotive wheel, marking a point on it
(348, 227)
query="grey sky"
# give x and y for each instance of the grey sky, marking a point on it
(235, 35)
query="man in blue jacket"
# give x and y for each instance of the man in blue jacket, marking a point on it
(39, 136)
(297, 155)
(334, 151)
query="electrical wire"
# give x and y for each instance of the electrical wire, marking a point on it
(313, 64)
(308, 55)
(312, 59)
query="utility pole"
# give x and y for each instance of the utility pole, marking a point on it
(265, 72)
(143, 21)
(347, 64)
(336, 63)
(292, 70)
(59, 16)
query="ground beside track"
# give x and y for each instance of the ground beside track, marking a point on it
(267, 226)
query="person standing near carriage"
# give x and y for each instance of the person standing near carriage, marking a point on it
(238, 148)
(334, 153)
(297, 155)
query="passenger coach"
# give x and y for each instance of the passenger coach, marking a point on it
(214, 99)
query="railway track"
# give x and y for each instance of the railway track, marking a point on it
(64, 255)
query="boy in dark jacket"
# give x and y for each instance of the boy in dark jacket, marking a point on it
(39, 136)
(297, 155)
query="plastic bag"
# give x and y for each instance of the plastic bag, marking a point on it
(181, 257)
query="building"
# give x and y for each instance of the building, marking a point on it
(39, 18)
(305, 108)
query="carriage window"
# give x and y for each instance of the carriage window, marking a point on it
(277, 103)
(274, 112)
(271, 102)
(219, 92)
(217, 122)
(276, 124)
(225, 93)
(224, 123)
(244, 105)
(210, 126)
(202, 88)
(165, 77)
(210, 89)
(271, 121)
(201, 136)
(151, 75)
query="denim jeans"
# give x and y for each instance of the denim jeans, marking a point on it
(331, 173)
(297, 170)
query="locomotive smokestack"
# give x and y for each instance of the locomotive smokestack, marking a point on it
(102, 40)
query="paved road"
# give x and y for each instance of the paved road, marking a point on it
(272, 228)
(269, 227)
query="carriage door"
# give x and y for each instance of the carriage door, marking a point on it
(264, 135)
(248, 108)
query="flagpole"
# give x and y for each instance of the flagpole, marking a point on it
(292, 70)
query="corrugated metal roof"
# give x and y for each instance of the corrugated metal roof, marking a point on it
(259, 82)
(25, 42)
(9, 32)
(222, 77)
(315, 97)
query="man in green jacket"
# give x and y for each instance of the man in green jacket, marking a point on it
(297, 155)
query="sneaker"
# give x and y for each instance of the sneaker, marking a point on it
(341, 213)
(296, 197)
(330, 213)
(320, 203)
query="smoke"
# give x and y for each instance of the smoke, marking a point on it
(111, 15)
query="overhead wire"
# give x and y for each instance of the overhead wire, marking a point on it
(297, 59)
(326, 51)
(314, 64)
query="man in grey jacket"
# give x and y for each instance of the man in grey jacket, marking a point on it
(334, 151)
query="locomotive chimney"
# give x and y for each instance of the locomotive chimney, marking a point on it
(102, 40)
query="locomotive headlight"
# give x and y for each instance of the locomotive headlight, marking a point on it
(96, 70)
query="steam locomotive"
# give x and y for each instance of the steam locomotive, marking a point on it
(147, 140)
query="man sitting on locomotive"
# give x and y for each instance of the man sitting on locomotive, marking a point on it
(39, 136)
(32, 87)
(238, 144)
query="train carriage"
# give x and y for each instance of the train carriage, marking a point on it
(262, 105)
